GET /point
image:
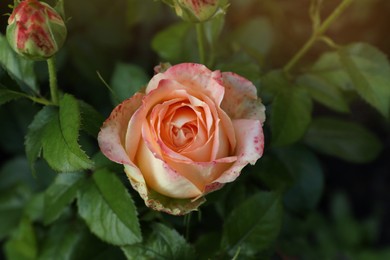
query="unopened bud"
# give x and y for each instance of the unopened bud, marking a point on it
(199, 10)
(35, 30)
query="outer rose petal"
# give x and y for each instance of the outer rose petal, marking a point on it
(159, 202)
(112, 135)
(193, 76)
(250, 145)
(162, 178)
(241, 99)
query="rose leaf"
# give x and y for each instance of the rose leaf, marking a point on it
(108, 210)
(290, 115)
(60, 142)
(346, 140)
(20, 69)
(162, 243)
(59, 194)
(253, 225)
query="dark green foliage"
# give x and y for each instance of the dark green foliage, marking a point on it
(320, 190)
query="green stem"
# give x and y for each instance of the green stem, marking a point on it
(317, 34)
(53, 80)
(41, 101)
(200, 38)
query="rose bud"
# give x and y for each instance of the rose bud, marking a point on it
(198, 10)
(191, 131)
(35, 30)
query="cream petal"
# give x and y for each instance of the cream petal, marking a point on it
(240, 100)
(160, 177)
(250, 145)
(112, 135)
(202, 173)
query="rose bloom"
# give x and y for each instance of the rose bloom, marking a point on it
(189, 133)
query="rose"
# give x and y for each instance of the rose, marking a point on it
(192, 131)
(198, 10)
(35, 30)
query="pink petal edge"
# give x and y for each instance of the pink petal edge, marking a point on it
(250, 146)
(241, 99)
(111, 137)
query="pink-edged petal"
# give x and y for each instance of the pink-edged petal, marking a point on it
(250, 145)
(112, 135)
(194, 76)
(240, 100)
(160, 177)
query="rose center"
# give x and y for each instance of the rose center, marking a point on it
(181, 127)
(183, 135)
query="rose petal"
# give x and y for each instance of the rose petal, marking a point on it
(111, 138)
(167, 90)
(250, 145)
(160, 177)
(202, 173)
(241, 99)
(193, 76)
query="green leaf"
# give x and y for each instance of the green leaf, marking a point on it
(346, 140)
(17, 171)
(274, 174)
(324, 92)
(72, 240)
(55, 133)
(174, 44)
(12, 202)
(290, 116)
(108, 209)
(162, 243)
(204, 248)
(21, 70)
(126, 80)
(34, 137)
(358, 67)
(91, 120)
(329, 68)
(62, 192)
(369, 71)
(34, 207)
(308, 185)
(7, 95)
(60, 141)
(253, 225)
(23, 243)
(255, 37)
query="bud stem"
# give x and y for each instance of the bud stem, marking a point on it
(53, 80)
(316, 35)
(200, 38)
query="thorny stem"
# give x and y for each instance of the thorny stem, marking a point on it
(316, 35)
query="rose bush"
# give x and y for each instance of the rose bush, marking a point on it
(189, 133)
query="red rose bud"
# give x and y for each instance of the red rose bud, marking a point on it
(199, 10)
(35, 30)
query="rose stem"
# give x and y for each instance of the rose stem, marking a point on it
(53, 80)
(199, 34)
(317, 34)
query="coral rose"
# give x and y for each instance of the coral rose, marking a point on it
(189, 133)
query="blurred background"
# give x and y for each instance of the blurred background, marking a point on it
(353, 210)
